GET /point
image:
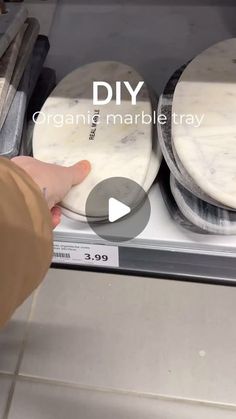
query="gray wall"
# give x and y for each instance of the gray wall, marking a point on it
(155, 36)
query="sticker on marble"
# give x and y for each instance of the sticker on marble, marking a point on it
(10, 24)
(207, 89)
(207, 217)
(115, 147)
(26, 49)
(11, 132)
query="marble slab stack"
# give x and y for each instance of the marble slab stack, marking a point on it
(10, 24)
(11, 132)
(22, 55)
(26, 48)
(45, 85)
(200, 150)
(115, 149)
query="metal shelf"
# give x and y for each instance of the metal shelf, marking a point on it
(164, 248)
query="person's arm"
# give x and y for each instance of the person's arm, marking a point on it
(25, 237)
(29, 191)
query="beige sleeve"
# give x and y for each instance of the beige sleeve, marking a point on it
(25, 237)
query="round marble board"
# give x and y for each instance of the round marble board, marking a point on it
(207, 217)
(167, 146)
(121, 149)
(207, 151)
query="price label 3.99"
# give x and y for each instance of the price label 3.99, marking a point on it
(85, 254)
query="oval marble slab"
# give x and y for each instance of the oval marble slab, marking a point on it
(207, 89)
(167, 146)
(151, 175)
(207, 217)
(115, 150)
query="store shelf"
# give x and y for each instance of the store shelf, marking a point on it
(136, 34)
(164, 248)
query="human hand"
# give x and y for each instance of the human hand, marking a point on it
(54, 181)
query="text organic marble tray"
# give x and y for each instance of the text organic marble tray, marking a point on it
(115, 149)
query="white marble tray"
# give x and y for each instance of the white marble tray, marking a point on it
(119, 150)
(207, 89)
(167, 146)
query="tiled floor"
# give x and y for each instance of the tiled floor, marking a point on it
(11, 338)
(145, 335)
(96, 344)
(39, 401)
(5, 387)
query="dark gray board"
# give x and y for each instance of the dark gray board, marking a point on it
(11, 132)
(45, 85)
(10, 24)
(174, 211)
(210, 218)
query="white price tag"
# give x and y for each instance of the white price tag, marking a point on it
(85, 254)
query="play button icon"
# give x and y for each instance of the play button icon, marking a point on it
(117, 210)
(122, 207)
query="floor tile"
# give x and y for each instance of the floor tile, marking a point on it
(11, 338)
(147, 335)
(40, 401)
(5, 385)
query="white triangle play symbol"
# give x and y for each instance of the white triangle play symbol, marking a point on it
(117, 210)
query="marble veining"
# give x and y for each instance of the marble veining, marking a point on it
(207, 217)
(171, 205)
(114, 149)
(208, 153)
(167, 145)
(151, 175)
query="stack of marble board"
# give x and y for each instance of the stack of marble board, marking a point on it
(116, 147)
(22, 54)
(199, 141)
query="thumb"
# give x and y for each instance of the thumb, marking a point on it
(80, 171)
